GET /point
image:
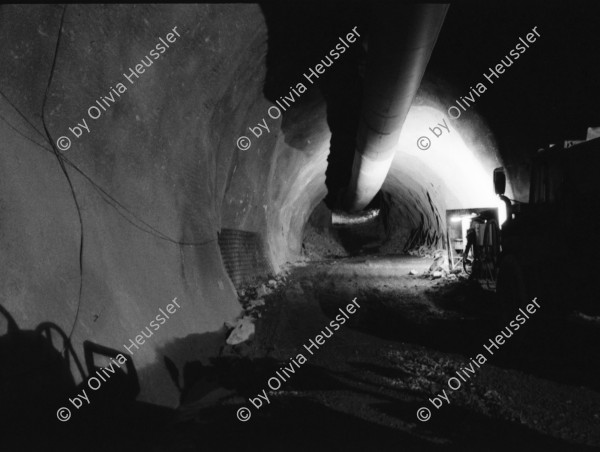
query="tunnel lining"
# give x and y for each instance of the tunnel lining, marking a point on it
(244, 256)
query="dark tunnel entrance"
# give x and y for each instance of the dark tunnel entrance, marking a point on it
(387, 226)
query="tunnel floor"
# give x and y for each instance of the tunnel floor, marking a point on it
(362, 388)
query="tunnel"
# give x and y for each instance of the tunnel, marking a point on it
(190, 193)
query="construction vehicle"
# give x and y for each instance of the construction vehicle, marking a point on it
(550, 246)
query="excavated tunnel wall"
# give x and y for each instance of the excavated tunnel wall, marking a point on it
(168, 202)
(159, 176)
(455, 172)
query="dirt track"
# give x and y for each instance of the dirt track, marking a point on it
(362, 388)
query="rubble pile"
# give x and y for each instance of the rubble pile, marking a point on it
(424, 251)
(440, 269)
(252, 298)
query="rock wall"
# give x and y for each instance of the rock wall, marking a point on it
(156, 178)
(155, 172)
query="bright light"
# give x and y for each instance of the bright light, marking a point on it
(340, 218)
(458, 173)
(501, 211)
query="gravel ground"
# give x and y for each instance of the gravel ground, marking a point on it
(362, 388)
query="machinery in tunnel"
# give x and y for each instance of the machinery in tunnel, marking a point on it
(473, 242)
(548, 244)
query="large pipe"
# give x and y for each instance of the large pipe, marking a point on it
(400, 43)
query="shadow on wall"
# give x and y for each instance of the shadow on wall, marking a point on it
(35, 378)
(37, 388)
